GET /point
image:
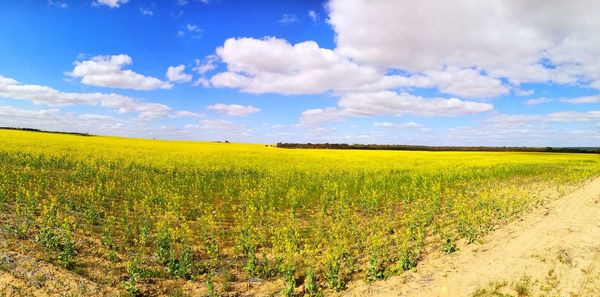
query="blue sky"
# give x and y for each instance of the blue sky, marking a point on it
(494, 73)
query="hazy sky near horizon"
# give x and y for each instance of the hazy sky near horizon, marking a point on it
(498, 72)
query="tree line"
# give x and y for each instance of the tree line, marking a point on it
(405, 147)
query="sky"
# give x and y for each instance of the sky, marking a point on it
(497, 72)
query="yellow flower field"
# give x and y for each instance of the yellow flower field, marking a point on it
(157, 214)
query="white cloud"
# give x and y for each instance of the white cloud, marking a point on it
(146, 11)
(392, 103)
(190, 30)
(219, 124)
(59, 4)
(42, 95)
(193, 28)
(233, 109)
(274, 65)
(207, 64)
(109, 3)
(469, 83)
(203, 82)
(313, 15)
(288, 19)
(522, 92)
(514, 134)
(176, 74)
(91, 116)
(583, 100)
(20, 113)
(315, 116)
(537, 101)
(204, 66)
(514, 39)
(107, 71)
(408, 125)
(56, 120)
(556, 117)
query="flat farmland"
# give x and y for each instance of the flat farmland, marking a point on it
(111, 216)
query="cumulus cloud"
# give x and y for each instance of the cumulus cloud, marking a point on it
(107, 71)
(273, 65)
(468, 82)
(524, 41)
(110, 3)
(233, 109)
(392, 103)
(43, 95)
(176, 74)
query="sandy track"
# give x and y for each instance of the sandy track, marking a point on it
(557, 247)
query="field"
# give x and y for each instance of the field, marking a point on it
(149, 217)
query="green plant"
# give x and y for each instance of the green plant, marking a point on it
(181, 266)
(163, 247)
(523, 286)
(311, 287)
(449, 245)
(333, 272)
(290, 281)
(92, 215)
(66, 253)
(408, 258)
(134, 272)
(375, 269)
(107, 240)
(21, 228)
(210, 284)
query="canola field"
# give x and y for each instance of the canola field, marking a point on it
(150, 217)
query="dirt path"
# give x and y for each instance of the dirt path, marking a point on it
(554, 251)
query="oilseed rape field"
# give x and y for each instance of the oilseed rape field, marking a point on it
(150, 217)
